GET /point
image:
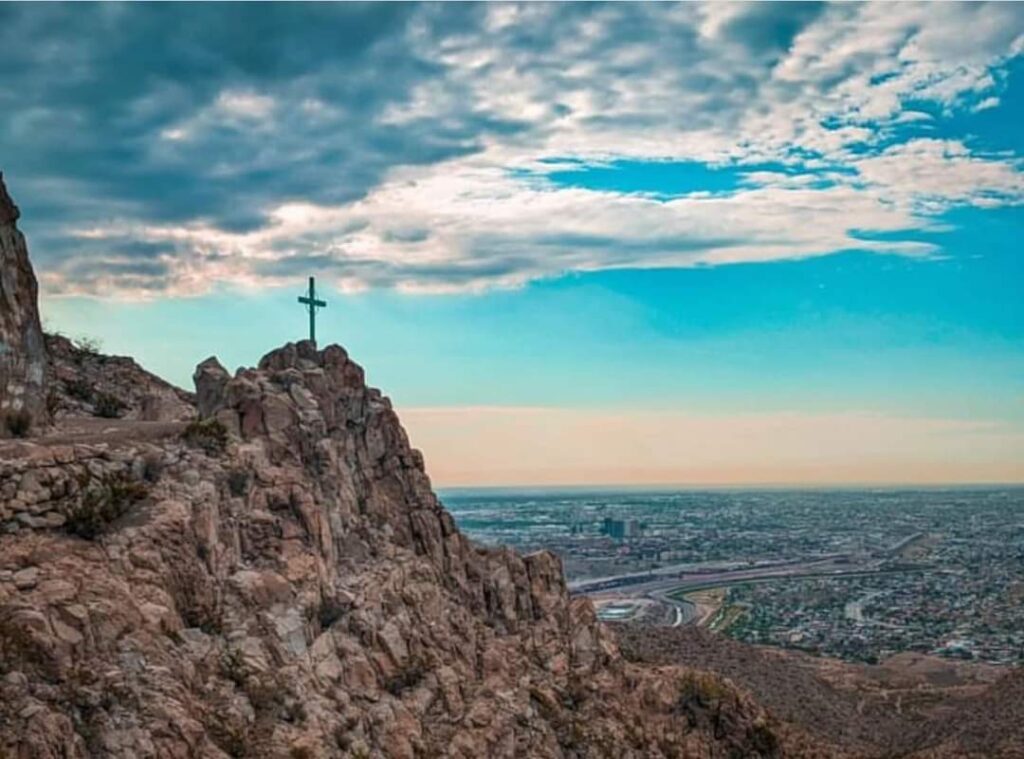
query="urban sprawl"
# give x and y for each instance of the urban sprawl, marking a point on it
(855, 574)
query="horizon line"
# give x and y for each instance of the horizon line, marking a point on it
(670, 487)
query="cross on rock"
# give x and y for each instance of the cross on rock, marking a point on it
(310, 301)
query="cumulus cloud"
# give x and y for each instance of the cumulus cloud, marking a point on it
(414, 146)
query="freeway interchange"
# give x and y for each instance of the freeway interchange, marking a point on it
(667, 585)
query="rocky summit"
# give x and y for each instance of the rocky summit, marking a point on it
(262, 569)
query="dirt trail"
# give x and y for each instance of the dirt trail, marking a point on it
(92, 431)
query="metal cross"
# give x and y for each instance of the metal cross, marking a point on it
(309, 300)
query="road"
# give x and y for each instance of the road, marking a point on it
(668, 588)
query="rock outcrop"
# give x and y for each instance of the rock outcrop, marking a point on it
(82, 382)
(281, 581)
(23, 359)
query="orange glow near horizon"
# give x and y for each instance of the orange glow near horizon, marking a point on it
(515, 446)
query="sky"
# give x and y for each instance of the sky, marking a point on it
(693, 244)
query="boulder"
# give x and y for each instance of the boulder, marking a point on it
(211, 378)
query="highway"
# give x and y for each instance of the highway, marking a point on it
(667, 584)
(666, 587)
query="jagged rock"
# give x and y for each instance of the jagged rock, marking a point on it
(304, 593)
(26, 579)
(23, 361)
(210, 379)
(86, 383)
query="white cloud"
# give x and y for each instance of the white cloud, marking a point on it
(984, 105)
(476, 226)
(244, 104)
(729, 84)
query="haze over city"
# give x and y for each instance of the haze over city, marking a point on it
(631, 244)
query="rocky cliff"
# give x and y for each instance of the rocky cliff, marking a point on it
(278, 579)
(22, 350)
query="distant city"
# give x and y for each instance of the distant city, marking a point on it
(855, 574)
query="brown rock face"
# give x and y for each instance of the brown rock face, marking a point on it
(84, 383)
(22, 350)
(280, 581)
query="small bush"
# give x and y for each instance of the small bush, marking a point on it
(231, 737)
(408, 677)
(18, 423)
(270, 696)
(101, 503)
(238, 482)
(80, 389)
(152, 468)
(330, 611)
(86, 344)
(108, 406)
(209, 435)
(232, 666)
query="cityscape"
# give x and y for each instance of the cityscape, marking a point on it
(855, 574)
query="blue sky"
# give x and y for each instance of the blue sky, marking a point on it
(728, 214)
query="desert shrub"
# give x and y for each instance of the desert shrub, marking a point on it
(53, 401)
(80, 389)
(231, 737)
(209, 435)
(18, 423)
(330, 611)
(152, 468)
(293, 710)
(102, 501)
(87, 344)
(360, 752)
(108, 406)
(272, 697)
(763, 739)
(408, 677)
(238, 482)
(232, 666)
(703, 689)
(701, 699)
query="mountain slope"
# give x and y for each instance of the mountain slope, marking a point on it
(280, 580)
(892, 710)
